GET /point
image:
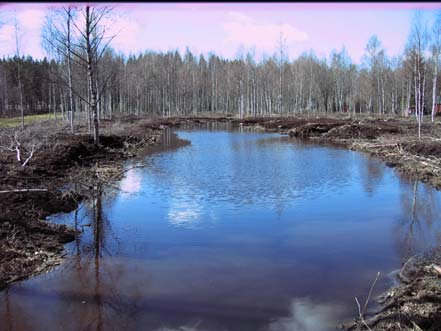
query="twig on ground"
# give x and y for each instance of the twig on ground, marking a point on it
(361, 315)
(360, 310)
(401, 275)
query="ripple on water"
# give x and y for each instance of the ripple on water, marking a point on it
(237, 231)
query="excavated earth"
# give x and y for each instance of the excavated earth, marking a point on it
(67, 167)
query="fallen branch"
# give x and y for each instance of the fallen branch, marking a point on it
(370, 292)
(361, 315)
(360, 310)
(30, 156)
(134, 167)
(437, 268)
(25, 190)
(403, 278)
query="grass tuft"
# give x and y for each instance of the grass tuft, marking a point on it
(16, 121)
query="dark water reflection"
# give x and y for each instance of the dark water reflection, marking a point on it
(237, 231)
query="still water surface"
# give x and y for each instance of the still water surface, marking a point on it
(238, 231)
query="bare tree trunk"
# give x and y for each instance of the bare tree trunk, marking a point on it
(110, 106)
(49, 98)
(434, 89)
(422, 103)
(20, 86)
(62, 99)
(54, 100)
(91, 76)
(69, 71)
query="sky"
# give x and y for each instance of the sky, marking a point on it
(229, 29)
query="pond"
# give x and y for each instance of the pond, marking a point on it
(237, 231)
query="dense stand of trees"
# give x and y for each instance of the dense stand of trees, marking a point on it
(37, 82)
(86, 78)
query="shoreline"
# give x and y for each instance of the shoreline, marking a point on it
(415, 302)
(66, 169)
(30, 245)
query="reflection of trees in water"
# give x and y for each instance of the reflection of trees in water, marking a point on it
(418, 228)
(86, 276)
(100, 278)
(87, 295)
(372, 175)
(7, 319)
(99, 242)
(12, 308)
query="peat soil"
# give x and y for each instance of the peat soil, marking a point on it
(68, 167)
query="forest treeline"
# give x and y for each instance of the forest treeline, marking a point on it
(169, 83)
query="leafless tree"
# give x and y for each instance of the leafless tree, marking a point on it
(436, 49)
(19, 81)
(21, 143)
(417, 44)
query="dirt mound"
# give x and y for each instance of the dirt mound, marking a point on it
(313, 130)
(19, 205)
(332, 129)
(251, 121)
(70, 151)
(29, 245)
(26, 250)
(361, 131)
(423, 148)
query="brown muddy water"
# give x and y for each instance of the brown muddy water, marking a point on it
(238, 231)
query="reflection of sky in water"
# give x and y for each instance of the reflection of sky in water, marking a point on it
(131, 183)
(308, 316)
(238, 232)
(184, 213)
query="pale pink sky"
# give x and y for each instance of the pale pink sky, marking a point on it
(223, 28)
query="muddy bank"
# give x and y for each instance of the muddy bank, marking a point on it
(415, 304)
(63, 170)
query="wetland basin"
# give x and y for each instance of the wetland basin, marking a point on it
(237, 231)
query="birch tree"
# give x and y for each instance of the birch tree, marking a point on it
(82, 39)
(19, 80)
(417, 44)
(281, 63)
(436, 48)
